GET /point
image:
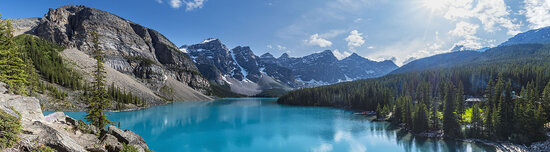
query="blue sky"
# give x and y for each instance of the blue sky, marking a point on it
(377, 29)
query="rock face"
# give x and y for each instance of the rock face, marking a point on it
(60, 132)
(240, 66)
(324, 68)
(129, 47)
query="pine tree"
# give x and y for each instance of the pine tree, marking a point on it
(99, 99)
(451, 126)
(12, 67)
(420, 121)
(476, 124)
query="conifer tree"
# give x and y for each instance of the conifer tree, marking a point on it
(451, 126)
(12, 67)
(420, 121)
(99, 98)
(476, 124)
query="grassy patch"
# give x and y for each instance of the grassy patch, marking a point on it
(128, 148)
(43, 148)
(10, 126)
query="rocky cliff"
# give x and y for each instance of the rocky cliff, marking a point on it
(142, 53)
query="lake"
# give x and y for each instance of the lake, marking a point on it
(261, 125)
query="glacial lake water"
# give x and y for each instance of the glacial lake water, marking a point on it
(261, 125)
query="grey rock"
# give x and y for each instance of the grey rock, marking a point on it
(111, 143)
(128, 137)
(3, 88)
(28, 107)
(56, 117)
(58, 140)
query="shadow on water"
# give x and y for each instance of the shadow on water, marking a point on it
(259, 124)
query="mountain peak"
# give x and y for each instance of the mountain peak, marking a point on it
(267, 55)
(211, 40)
(284, 56)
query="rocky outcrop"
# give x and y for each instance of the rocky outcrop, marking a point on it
(129, 48)
(60, 132)
(128, 137)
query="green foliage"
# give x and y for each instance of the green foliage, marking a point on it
(10, 126)
(442, 92)
(12, 66)
(98, 100)
(128, 148)
(475, 122)
(43, 148)
(116, 94)
(44, 56)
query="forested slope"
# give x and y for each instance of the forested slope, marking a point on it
(511, 78)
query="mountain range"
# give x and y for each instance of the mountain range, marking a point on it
(246, 73)
(144, 62)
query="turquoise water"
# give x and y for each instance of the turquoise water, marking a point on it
(261, 125)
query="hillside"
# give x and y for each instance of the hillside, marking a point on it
(140, 61)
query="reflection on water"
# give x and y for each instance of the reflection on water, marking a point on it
(258, 124)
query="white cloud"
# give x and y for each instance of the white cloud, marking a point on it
(269, 46)
(493, 14)
(323, 148)
(464, 29)
(316, 40)
(189, 4)
(537, 13)
(370, 47)
(280, 47)
(159, 1)
(194, 4)
(341, 55)
(466, 32)
(175, 3)
(354, 39)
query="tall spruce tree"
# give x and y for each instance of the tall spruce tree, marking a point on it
(451, 126)
(12, 67)
(476, 124)
(99, 98)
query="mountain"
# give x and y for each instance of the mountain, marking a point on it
(138, 59)
(519, 46)
(240, 70)
(539, 36)
(324, 68)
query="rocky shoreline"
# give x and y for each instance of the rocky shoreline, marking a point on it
(60, 132)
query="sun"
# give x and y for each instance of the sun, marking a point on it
(433, 5)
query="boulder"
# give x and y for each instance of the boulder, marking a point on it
(128, 137)
(111, 143)
(56, 117)
(28, 107)
(56, 139)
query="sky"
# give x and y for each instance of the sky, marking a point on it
(398, 30)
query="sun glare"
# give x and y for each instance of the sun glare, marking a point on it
(433, 5)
